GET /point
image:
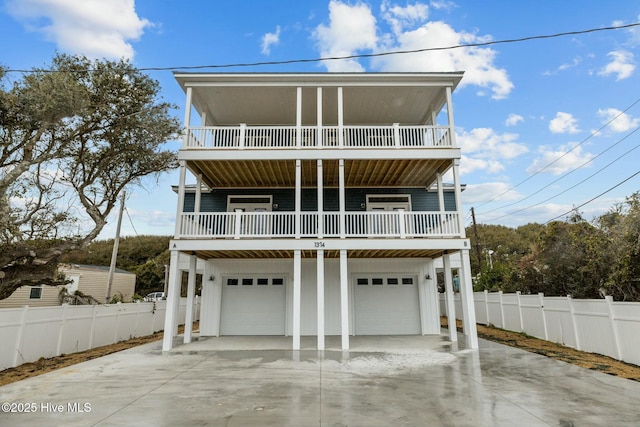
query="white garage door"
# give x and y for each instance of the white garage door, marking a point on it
(253, 305)
(387, 305)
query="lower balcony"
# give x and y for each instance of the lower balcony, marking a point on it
(274, 225)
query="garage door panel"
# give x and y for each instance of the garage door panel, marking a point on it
(387, 307)
(249, 308)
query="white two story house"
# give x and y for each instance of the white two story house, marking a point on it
(319, 205)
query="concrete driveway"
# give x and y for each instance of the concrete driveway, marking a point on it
(382, 381)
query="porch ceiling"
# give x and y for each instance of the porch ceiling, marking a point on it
(260, 99)
(373, 253)
(281, 173)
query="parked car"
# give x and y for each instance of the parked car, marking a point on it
(154, 296)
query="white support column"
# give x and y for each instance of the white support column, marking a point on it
(319, 116)
(298, 197)
(187, 118)
(340, 118)
(342, 199)
(344, 300)
(468, 307)
(173, 300)
(320, 297)
(451, 306)
(297, 285)
(452, 132)
(198, 199)
(441, 206)
(180, 208)
(458, 196)
(320, 201)
(217, 300)
(299, 117)
(191, 291)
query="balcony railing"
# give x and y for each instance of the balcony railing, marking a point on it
(250, 225)
(305, 137)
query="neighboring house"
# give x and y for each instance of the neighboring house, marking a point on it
(319, 205)
(89, 279)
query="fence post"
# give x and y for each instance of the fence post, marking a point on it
(520, 311)
(23, 321)
(93, 326)
(609, 300)
(501, 310)
(63, 318)
(486, 306)
(573, 321)
(544, 318)
(117, 322)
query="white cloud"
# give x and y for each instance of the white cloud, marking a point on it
(576, 61)
(270, 39)
(400, 17)
(351, 29)
(564, 123)
(478, 193)
(477, 63)
(622, 122)
(513, 119)
(95, 28)
(556, 162)
(487, 143)
(622, 65)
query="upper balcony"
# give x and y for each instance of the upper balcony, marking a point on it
(286, 111)
(312, 137)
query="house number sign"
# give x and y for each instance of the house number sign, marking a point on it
(318, 244)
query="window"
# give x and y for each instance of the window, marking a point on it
(263, 282)
(247, 282)
(363, 281)
(36, 292)
(377, 281)
(407, 281)
(278, 281)
(232, 282)
(392, 281)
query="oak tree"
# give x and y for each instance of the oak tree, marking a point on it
(73, 137)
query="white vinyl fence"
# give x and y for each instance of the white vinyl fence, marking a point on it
(600, 326)
(29, 333)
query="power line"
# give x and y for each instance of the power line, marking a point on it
(577, 184)
(594, 198)
(131, 221)
(366, 55)
(594, 133)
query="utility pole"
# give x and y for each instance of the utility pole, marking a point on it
(475, 233)
(114, 254)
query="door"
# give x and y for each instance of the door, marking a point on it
(386, 305)
(385, 224)
(257, 221)
(253, 305)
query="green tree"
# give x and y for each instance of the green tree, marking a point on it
(622, 223)
(72, 137)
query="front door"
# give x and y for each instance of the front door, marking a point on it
(258, 221)
(388, 225)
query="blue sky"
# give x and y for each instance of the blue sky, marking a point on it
(521, 106)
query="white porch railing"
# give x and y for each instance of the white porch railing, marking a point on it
(279, 137)
(246, 225)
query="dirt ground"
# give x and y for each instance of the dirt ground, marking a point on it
(596, 362)
(586, 360)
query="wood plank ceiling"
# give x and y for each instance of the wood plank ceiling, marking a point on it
(281, 173)
(272, 254)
